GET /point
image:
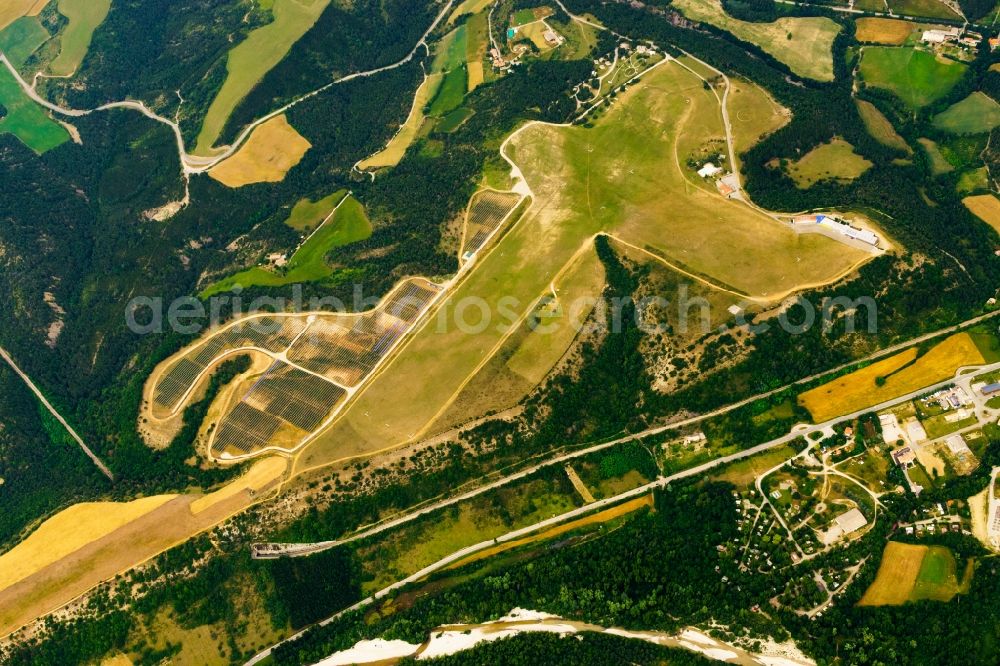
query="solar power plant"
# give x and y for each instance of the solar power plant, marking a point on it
(285, 400)
(485, 215)
(273, 334)
(347, 349)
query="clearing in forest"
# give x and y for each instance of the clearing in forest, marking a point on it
(916, 76)
(910, 572)
(627, 176)
(254, 57)
(84, 16)
(874, 30)
(831, 161)
(396, 148)
(939, 164)
(976, 114)
(805, 44)
(986, 207)
(879, 126)
(271, 151)
(346, 224)
(890, 378)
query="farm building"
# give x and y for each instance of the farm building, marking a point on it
(990, 389)
(847, 230)
(552, 37)
(940, 36)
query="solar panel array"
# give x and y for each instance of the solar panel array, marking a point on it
(347, 349)
(284, 398)
(485, 215)
(271, 333)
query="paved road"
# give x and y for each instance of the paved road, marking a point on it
(611, 501)
(52, 410)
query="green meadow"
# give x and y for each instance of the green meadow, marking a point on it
(916, 77)
(24, 119)
(348, 225)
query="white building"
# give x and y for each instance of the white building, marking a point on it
(940, 36)
(709, 170)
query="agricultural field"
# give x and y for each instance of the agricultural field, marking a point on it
(22, 38)
(911, 572)
(468, 7)
(915, 76)
(84, 16)
(393, 152)
(804, 44)
(477, 41)
(973, 180)
(986, 207)
(254, 57)
(348, 224)
(831, 161)
(270, 152)
(107, 538)
(566, 167)
(879, 126)
(976, 114)
(934, 9)
(891, 378)
(26, 120)
(11, 10)
(449, 60)
(892, 32)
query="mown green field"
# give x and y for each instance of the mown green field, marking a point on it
(916, 77)
(22, 38)
(449, 59)
(879, 126)
(976, 114)
(26, 120)
(254, 57)
(84, 16)
(308, 264)
(307, 214)
(924, 8)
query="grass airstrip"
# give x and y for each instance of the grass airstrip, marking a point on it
(915, 76)
(804, 44)
(28, 121)
(986, 207)
(622, 176)
(348, 224)
(910, 572)
(84, 16)
(890, 378)
(254, 57)
(272, 149)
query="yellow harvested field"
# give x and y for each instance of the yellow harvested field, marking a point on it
(271, 151)
(397, 146)
(986, 207)
(753, 113)
(874, 30)
(11, 10)
(599, 517)
(117, 660)
(897, 574)
(475, 75)
(262, 474)
(891, 378)
(68, 531)
(880, 127)
(468, 7)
